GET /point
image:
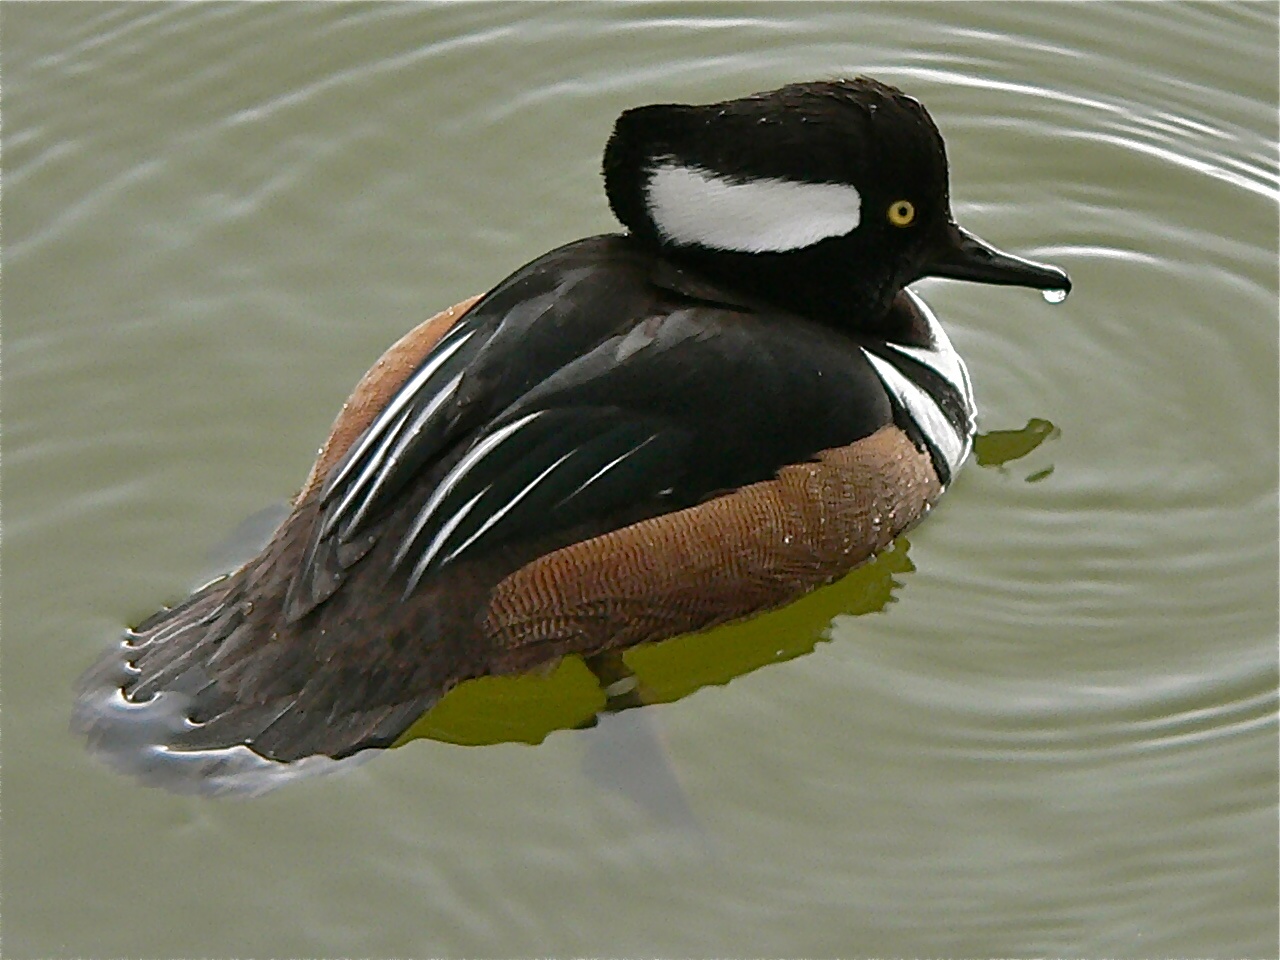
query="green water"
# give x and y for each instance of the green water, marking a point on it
(1046, 727)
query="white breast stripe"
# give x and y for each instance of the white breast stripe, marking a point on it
(948, 366)
(452, 478)
(692, 205)
(942, 357)
(924, 411)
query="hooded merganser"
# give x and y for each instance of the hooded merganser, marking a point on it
(634, 436)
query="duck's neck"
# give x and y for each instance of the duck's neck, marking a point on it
(805, 282)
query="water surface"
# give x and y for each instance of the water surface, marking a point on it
(1046, 727)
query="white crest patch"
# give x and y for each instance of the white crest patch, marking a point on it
(691, 205)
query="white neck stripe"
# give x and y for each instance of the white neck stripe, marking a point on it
(691, 205)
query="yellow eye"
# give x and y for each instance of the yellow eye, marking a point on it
(902, 213)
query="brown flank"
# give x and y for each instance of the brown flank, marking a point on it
(751, 550)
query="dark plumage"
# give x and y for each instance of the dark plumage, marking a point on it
(631, 437)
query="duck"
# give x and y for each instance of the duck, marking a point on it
(729, 403)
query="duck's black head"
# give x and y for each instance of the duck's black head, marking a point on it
(824, 197)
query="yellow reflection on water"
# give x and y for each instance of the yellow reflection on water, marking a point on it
(1000, 447)
(526, 709)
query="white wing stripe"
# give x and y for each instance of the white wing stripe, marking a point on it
(356, 487)
(443, 351)
(402, 439)
(609, 466)
(942, 357)
(511, 504)
(454, 476)
(440, 538)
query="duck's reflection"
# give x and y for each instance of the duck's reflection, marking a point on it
(624, 751)
(999, 448)
(528, 708)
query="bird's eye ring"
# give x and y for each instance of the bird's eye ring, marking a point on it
(902, 213)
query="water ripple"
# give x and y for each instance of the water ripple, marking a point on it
(1059, 735)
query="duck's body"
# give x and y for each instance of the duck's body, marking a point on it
(632, 437)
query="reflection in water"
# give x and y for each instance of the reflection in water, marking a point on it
(999, 448)
(526, 709)
(625, 752)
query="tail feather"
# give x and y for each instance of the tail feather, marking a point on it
(208, 698)
(225, 693)
(143, 738)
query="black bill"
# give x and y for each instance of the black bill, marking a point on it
(962, 256)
